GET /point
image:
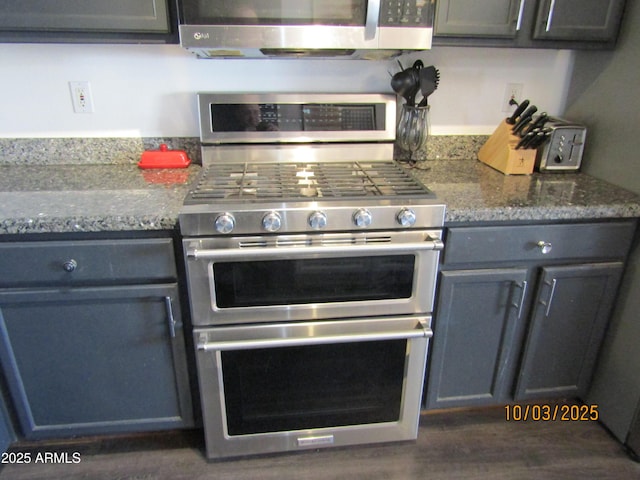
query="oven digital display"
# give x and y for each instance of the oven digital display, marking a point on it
(265, 117)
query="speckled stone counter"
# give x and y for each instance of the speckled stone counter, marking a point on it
(475, 192)
(90, 198)
(90, 185)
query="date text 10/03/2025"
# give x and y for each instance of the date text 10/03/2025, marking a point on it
(41, 457)
(551, 413)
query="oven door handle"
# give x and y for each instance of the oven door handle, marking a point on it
(421, 332)
(288, 252)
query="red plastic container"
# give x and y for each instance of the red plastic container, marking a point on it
(164, 158)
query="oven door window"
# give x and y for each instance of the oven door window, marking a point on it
(275, 12)
(317, 280)
(297, 388)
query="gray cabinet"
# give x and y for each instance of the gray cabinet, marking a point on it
(463, 18)
(88, 20)
(7, 435)
(582, 20)
(529, 23)
(567, 327)
(477, 326)
(521, 311)
(633, 439)
(91, 337)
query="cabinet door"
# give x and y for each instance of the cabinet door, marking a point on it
(7, 436)
(469, 18)
(580, 20)
(633, 439)
(474, 342)
(572, 308)
(95, 360)
(87, 15)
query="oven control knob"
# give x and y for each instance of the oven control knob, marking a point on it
(272, 222)
(225, 223)
(406, 217)
(362, 218)
(318, 220)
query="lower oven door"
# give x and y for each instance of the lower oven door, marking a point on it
(311, 277)
(290, 386)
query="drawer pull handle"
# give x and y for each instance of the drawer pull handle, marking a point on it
(545, 247)
(70, 265)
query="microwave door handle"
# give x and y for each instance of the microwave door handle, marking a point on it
(373, 16)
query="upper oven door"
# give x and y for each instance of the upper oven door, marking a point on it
(298, 25)
(297, 278)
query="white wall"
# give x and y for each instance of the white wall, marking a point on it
(148, 90)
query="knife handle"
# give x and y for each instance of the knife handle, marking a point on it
(525, 140)
(541, 138)
(521, 108)
(525, 118)
(520, 125)
(537, 123)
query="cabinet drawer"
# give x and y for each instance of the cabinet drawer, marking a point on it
(467, 245)
(86, 262)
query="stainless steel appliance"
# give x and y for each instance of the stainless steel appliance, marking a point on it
(311, 264)
(370, 29)
(563, 151)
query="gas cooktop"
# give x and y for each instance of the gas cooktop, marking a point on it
(257, 182)
(297, 164)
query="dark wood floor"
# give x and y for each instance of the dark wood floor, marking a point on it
(467, 444)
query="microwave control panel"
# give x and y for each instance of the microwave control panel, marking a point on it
(406, 13)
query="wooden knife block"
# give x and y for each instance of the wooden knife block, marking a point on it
(500, 152)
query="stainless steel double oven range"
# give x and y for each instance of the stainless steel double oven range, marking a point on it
(311, 264)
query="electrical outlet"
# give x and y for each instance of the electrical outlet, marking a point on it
(81, 97)
(512, 91)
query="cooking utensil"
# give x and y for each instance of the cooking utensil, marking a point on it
(541, 138)
(415, 70)
(406, 82)
(520, 125)
(537, 140)
(518, 111)
(429, 81)
(403, 83)
(537, 123)
(525, 118)
(524, 141)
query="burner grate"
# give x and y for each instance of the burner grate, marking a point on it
(289, 181)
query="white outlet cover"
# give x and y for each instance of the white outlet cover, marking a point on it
(81, 97)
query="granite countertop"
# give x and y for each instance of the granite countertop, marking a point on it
(122, 197)
(90, 198)
(475, 192)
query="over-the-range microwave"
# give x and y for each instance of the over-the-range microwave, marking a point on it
(362, 29)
